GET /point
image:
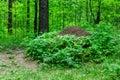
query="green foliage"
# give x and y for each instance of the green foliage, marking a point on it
(71, 50)
(52, 48)
(103, 41)
(8, 42)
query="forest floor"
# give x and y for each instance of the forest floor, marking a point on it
(15, 59)
(15, 66)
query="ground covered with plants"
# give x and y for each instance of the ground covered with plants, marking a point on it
(72, 50)
(53, 56)
(59, 39)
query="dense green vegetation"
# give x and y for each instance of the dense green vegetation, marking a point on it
(68, 57)
(71, 50)
(107, 70)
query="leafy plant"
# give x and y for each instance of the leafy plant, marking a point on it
(71, 50)
(54, 49)
(102, 42)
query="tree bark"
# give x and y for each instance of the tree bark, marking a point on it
(9, 16)
(98, 12)
(28, 15)
(43, 16)
(35, 18)
(92, 18)
(87, 10)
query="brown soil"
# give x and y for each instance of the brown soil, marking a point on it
(17, 59)
(74, 30)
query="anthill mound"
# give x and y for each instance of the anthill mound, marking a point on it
(74, 30)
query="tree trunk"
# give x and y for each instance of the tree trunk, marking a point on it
(98, 12)
(28, 15)
(87, 10)
(92, 18)
(63, 15)
(9, 16)
(35, 18)
(43, 16)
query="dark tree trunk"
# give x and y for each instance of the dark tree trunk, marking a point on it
(63, 15)
(35, 18)
(9, 16)
(92, 18)
(98, 12)
(28, 15)
(87, 10)
(43, 16)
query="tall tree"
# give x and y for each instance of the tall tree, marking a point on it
(10, 16)
(43, 16)
(87, 10)
(92, 17)
(98, 12)
(28, 14)
(35, 16)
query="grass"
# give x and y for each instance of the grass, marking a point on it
(88, 71)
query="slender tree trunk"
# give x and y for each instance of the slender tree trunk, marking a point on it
(92, 18)
(63, 15)
(9, 16)
(28, 15)
(15, 19)
(43, 16)
(98, 12)
(87, 10)
(35, 18)
(75, 14)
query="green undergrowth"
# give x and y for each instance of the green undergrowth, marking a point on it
(12, 41)
(73, 51)
(108, 70)
(9, 42)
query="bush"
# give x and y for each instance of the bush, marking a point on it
(71, 50)
(54, 49)
(104, 41)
